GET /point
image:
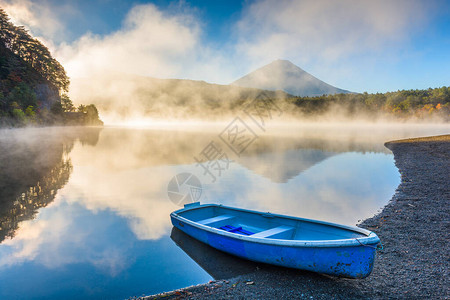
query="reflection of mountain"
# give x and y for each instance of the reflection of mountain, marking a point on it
(276, 157)
(34, 165)
(218, 264)
(281, 158)
(154, 147)
(281, 166)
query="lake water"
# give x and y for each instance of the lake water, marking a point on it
(84, 212)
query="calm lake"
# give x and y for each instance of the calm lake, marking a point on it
(84, 212)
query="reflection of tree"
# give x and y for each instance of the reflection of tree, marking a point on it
(34, 165)
(40, 195)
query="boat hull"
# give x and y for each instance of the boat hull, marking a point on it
(355, 261)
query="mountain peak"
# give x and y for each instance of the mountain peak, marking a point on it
(284, 75)
(283, 62)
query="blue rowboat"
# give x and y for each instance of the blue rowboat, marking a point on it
(312, 245)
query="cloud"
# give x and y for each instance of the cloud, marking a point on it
(149, 43)
(171, 43)
(309, 30)
(42, 19)
(330, 39)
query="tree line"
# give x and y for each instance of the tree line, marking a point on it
(420, 104)
(32, 51)
(33, 84)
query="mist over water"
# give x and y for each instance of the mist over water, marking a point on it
(85, 211)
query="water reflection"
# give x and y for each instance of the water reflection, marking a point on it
(219, 265)
(128, 172)
(34, 165)
(280, 166)
(106, 215)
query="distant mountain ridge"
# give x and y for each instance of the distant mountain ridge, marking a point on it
(165, 98)
(284, 75)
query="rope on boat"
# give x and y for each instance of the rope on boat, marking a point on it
(379, 246)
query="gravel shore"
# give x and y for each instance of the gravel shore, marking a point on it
(414, 228)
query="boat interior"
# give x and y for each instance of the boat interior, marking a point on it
(267, 225)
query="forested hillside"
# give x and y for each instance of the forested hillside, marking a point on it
(407, 104)
(33, 84)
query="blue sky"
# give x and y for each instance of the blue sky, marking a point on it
(373, 46)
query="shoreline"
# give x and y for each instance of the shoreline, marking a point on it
(413, 227)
